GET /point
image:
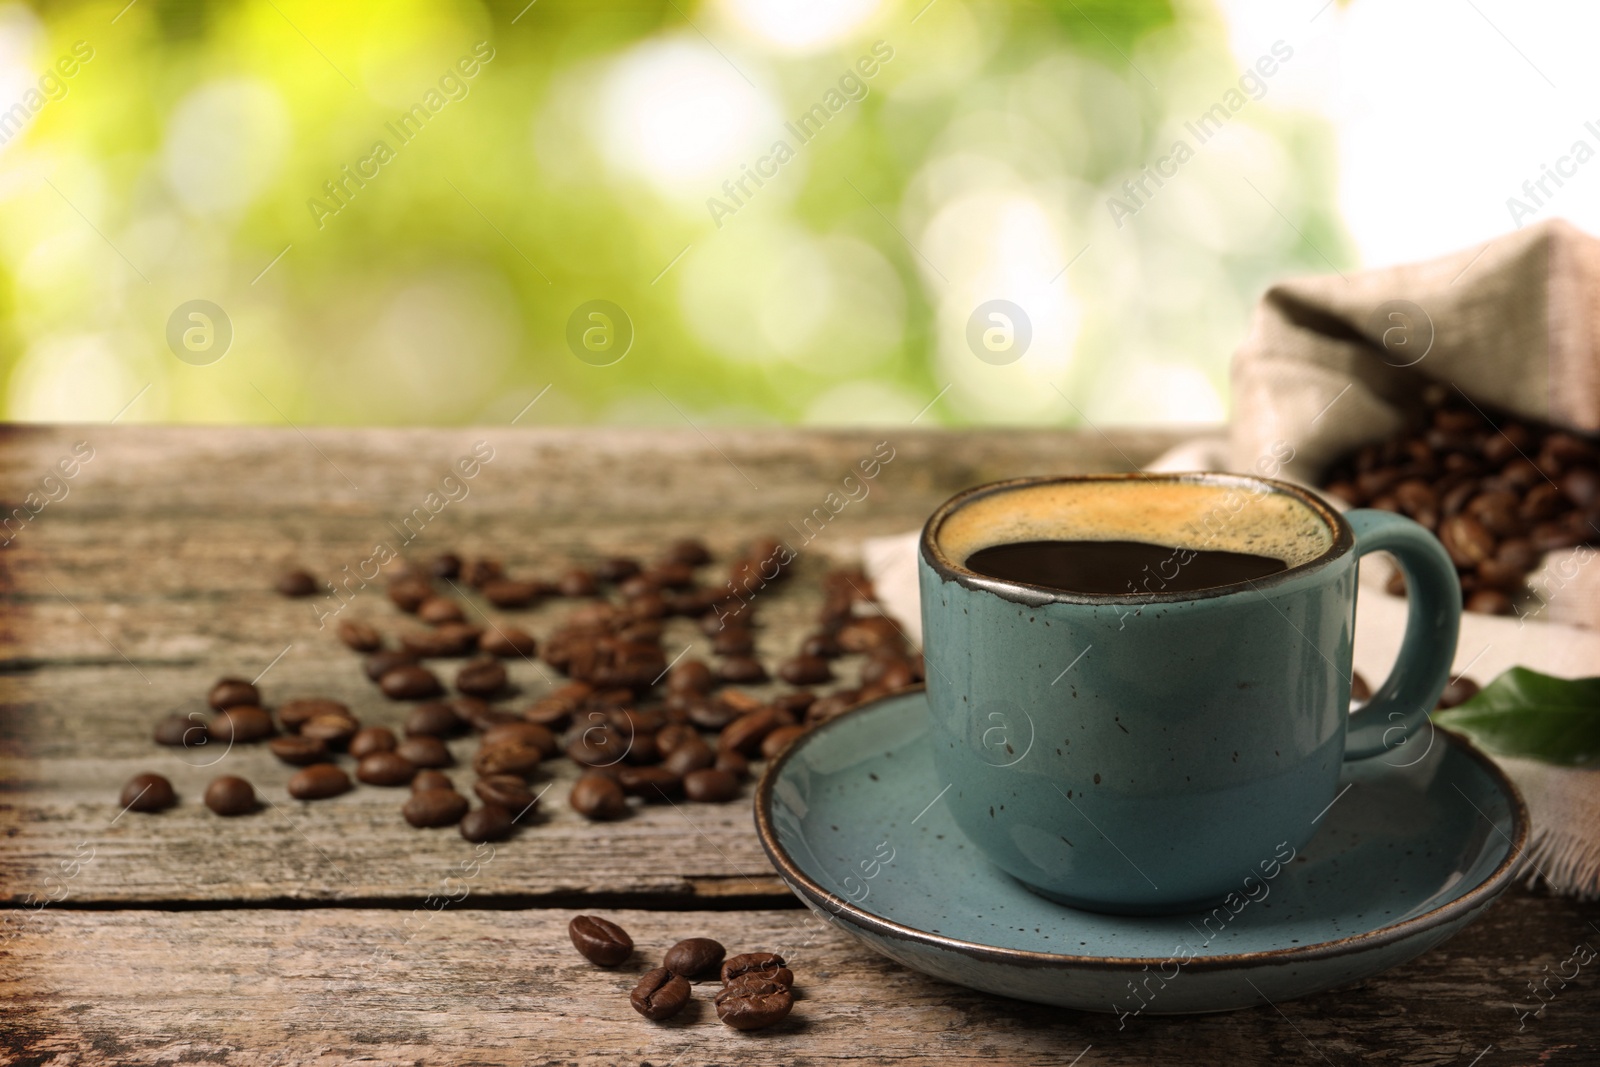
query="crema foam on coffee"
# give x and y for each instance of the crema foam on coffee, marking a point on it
(1249, 519)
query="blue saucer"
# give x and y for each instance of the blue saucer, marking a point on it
(854, 821)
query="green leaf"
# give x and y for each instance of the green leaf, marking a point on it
(1525, 713)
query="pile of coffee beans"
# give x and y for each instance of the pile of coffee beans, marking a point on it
(644, 727)
(757, 987)
(1498, 491)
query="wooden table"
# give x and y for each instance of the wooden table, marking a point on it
(332, 932)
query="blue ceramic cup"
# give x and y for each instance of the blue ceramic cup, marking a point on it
(1151, 751)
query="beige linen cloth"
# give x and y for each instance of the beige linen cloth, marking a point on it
(1327, 366)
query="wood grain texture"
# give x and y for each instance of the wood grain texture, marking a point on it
(126, 598)
(332, 932)
(459, 984)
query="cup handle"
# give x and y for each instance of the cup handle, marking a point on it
(1420, 673)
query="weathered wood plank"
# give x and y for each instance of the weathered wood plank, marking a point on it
(462, 985)
(125, 599)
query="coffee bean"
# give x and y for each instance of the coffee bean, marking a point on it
(229, 795)
(525, 733)
(385, 768)
(488, 823)
(821, 646)
(689, 676)
(434, 807)
(673, 734)
(294, 714)
(381, 663)
(600, 941)
(509, 791)
(670, 574)
(508, 642)
(1518, 554)
(1496, 511)
(232, 693)
(1581, 485)
(1457, 691)
(148, 792)
(833, 705)
(186, 730)
(372, 739)
(434, 719)
(745, 734)
(733, 763)
(805, 670)
(445, 640)
(595, 796)
(1494, 574)
(1359, 689)
(774, 743)
(652, 783)
(295, 583)
(481, 678)
(764, 965)
(411, 682)
(410, 591)
(576, 582)
(871, 634)
(243, 724)
(299, 751)
(692, 755)
(479, 572)
(598, 746)
(511, 593)
(1551, 536)
(710, 714)
(1467, 541)
(318, 782)
(754, 1003)
(431, 779)
(694, 957)
(1489, 602)
(437, 610)
(507, 757)
(711, 785)
(336, 731)
(734, 641)
(741, 670)
(425, 751)
(659, 995)
(360, 636)
(445, 565)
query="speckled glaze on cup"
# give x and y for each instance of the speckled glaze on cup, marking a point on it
(1143, 753)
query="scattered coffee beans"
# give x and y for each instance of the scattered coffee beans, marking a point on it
(424, 751)
(372, 739)
(385, 768)
(295, 583)
(488, 823)
(754, 1003)
(508, 642)
(318, 782)
(229, 795)
(410, 682)
(242, 724)
(360, 636)
(509, 791)
(601, 941)
(695, 957)
(766, 965)
(299, 751)
(660, 994)
(595, 796)
(481, 678)
(148, 792)
(434, 719)
(231, 693)
(431, 779)
(434, 808)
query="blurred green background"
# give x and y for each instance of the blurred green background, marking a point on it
(186, 158)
